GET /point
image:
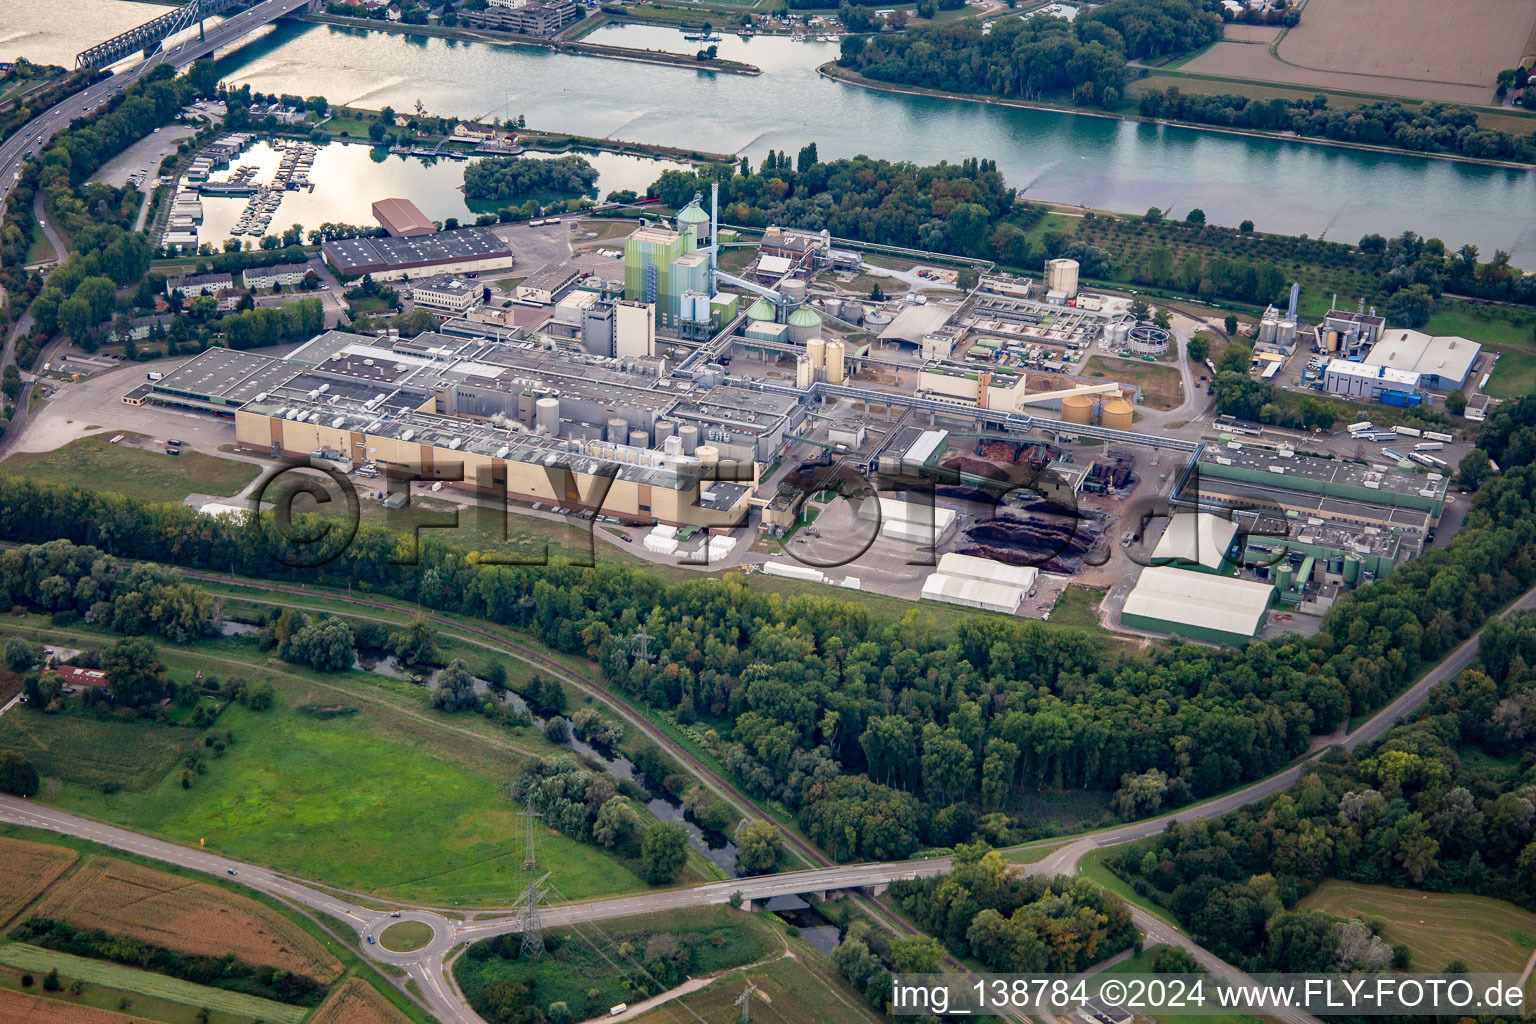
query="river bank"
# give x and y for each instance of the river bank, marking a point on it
(833, 72)
(716, 64)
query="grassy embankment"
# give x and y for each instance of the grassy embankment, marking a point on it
(1487, 935)
(146, 473)
(1142, 962)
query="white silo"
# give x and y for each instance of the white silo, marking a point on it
(1061, 276)
(664, 430)
(805, 373)
(689, 434)
(639, 439)
(618, 430)
(546, 416)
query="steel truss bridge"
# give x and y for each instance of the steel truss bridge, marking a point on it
(148, 36)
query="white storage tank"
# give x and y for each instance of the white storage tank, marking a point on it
(1269, 328)
(546, 416)
(877, 320)
(1287, 332)
(618, 430)
(689, 435)
(664, 430)
(708, 454)
(639, 439)
(793, 290)
(1061, 276)
(805, 373)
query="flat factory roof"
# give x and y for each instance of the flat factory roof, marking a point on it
(1447, 356)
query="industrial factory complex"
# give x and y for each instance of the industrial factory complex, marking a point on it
(945, 446)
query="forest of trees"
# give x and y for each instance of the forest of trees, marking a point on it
(1444, 803)
(1039, 56)
(884, 736)
(520, 177)
(956, 208)
(1425, 128)
(1017, 923)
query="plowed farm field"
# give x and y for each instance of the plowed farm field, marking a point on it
(28, 869)
(357, 1002)
(186, 916)
(19, 1008)
(1418, 49)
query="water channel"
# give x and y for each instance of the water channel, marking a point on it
(1076, 159)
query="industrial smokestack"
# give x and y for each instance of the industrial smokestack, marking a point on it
(714, 234)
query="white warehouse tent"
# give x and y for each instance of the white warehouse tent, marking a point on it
(987, 570)
(1197, 605)
(992, 597)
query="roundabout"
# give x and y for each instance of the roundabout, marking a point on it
(412, 937)
(405, 936)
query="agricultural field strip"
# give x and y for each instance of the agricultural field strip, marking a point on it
(184, 915)
(29, 869)
(100, 972)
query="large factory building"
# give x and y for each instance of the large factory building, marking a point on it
(562, 427)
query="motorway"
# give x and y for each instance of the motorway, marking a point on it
(429, 966)
(33, 136)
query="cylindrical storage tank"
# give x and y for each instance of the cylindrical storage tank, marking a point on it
(1287, 332)
(834, 307)
(805, 373)
(761, 311)
(1148, 340)
(1268, 328)
(877, 319)
(1117, 414)
(664, 430)
(1118, 333)
(1061, 276)
(1077, 409)
(804, 324)
(1282, 574)
(793, 290)
(816, 350)
(618, 430)
(853, 312)
(836, 355)
(546, 416)
(689, 435)
(1352, 566)
(639, 439)
(708, 454)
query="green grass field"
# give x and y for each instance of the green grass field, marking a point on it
(1487, 935)
(396, 800)
(586, 969)
(1161, 386)
(100, 972)
(91, 752)
(1511, 333)
(805, 990)
(147, 474)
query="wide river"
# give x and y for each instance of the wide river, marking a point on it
(1090, 161)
